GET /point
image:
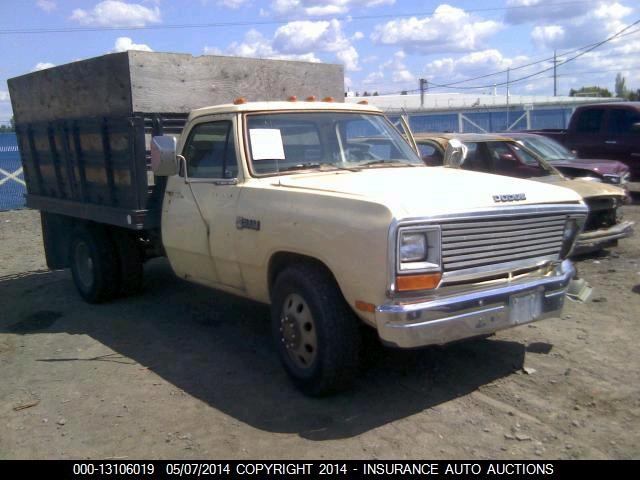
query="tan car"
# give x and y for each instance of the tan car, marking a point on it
(491, 153)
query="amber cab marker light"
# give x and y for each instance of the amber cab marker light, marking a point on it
(239, 101)
(363, 102)
(311, 98)
(425, 281)
(365, 306)
(328, 99)
(292, 98)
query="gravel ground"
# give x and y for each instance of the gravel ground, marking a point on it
(188, 373)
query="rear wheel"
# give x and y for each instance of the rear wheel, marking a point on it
(317, 335)
(94, 264)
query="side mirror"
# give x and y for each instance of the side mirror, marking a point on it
(455, 154)
(163, 156)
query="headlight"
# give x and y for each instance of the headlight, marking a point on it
(615, 179)
(418, 249)
(571, 230)
(590, 179)
(413, 247)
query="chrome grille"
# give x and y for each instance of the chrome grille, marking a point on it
(491, 242)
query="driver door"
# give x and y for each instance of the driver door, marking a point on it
(199, 232)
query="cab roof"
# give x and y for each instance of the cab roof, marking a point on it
(282, 106)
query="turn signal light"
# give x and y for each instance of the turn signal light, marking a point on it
(425, 281)
(365, 306)
(239, 101)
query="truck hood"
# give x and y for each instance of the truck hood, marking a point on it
(601, 167)
(584, 188)
(424, 191)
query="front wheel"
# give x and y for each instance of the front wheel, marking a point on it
(317, 335)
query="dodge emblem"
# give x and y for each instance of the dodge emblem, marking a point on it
(509, 197)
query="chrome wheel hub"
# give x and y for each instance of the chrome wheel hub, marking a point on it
(298, 331)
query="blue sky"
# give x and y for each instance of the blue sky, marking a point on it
(385, 45)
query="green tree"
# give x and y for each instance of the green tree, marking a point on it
(621, 86)
(11, 127)
(593, 91)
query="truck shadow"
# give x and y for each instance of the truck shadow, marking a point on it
(217, 348)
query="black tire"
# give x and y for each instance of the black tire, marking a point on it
(130, 262)
(305, 294)
(94, 264)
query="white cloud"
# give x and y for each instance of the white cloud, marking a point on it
(449, 29)
(124, 44)
(42, 66)
(114, 13)
(304, 36)
(232, 3)
(257, 46)
(212, 51)
(374, 78)
(349, 57)
(298, 40)
(449, 70)
(4, 96)
(528, 11)
(594, 26)
(46, 5)
(401, 76)
(548, 34)
(316, 8)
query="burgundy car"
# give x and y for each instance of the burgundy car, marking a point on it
(607, 171)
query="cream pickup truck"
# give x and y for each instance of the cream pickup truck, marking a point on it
(319, 208)
(324, 211)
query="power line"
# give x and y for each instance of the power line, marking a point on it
(584, 51)
(520, 67)
(622, 33)
(270, 22)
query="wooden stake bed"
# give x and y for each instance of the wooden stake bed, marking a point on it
(83, 128)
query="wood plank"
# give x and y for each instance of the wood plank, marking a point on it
(167, 82)
(94, 87)
(120, 84)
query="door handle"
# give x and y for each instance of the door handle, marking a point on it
(610, 142)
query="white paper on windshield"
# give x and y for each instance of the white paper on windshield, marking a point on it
(266, 144)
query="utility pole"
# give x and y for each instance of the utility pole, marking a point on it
(508, 73)
(555, 77)
(423, 87)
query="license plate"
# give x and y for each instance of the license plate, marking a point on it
(525, 307)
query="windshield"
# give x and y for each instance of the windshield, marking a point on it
(547, 148)
(294, 141)
(504, 158)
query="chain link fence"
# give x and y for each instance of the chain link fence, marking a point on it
(12, 184)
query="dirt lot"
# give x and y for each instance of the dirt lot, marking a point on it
(184, 372)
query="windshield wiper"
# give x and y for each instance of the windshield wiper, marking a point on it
(321, 166)
(376, 163)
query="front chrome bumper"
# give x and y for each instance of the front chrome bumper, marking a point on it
(596, 239)
(464, 315)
